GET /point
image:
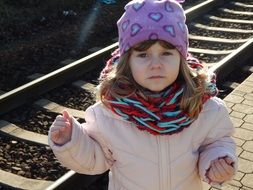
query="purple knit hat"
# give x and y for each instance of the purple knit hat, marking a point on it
(151, 20)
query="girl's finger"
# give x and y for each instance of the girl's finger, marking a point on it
(229, 160)
(59, 117)
(66, 115)
(211, 174)
(55, 135)
(60, 123)
(228, 169)
(219, 166)
(68, 131)
(55, 127)
(215, 170)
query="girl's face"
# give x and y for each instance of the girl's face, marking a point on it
(155, 68)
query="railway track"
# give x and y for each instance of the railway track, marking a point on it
(38, 47)
(221, 34)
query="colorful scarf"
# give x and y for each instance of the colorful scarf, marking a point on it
(160, 114)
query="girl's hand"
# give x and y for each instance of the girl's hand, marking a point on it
(221, 170)
(61, 129)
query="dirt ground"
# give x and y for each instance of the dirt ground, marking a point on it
(35, 36)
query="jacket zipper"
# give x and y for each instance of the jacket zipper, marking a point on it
(164, 163)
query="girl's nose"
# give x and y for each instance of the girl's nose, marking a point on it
(156, 62)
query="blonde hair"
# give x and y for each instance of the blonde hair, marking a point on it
(120, 82)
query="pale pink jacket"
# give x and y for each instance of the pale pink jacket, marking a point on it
(138, 160)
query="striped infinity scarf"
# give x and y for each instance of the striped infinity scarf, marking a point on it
(160, 114)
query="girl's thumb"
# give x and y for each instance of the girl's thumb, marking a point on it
(65, 114)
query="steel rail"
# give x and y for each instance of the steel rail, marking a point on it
(66, 181)
(26, 92)
(243, 53)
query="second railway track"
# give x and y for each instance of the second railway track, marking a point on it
(221, 34)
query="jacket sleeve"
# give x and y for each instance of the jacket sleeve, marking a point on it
(218, 142)
(84, 153)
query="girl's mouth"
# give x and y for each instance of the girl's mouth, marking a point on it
(155, 77)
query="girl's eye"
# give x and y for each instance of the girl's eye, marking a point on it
(142, 55)
(167, 53)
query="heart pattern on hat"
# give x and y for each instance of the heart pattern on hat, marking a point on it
(135, 28)
(181, 26)
(137, 6)
(127, 47)
(170, 29)
(155, 16)
(153, 36)
(125, 25)
(168, 7)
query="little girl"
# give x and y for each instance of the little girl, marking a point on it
(157, 124)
